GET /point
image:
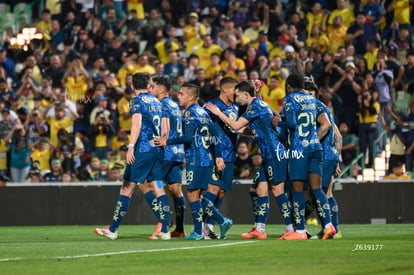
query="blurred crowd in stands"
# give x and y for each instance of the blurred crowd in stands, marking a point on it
(64, 112)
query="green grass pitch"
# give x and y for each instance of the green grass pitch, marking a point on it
(364, 249)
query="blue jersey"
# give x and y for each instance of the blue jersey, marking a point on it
(172, 111)
(299, 109)
(151, 111)
(198, 152)
(226, 136)
(260, 117)
(329, 141)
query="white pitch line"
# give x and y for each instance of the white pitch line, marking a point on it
(133, 251)
(10, 259)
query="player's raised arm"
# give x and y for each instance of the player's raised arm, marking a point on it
(234, 124)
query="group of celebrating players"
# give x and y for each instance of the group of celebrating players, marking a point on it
(165, 134)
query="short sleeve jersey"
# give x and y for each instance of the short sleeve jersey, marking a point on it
(151, 111)
(171, 110)
(299, 109)
(260, 117)
(226, 136)
(198, 152)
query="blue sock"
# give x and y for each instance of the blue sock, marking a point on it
(211, 211)
(164, 210)
(121, 209)
(262, 209)
(211, 197)
(218, 203)
(322, 206)
(255, 204)
(334, 212)
(197, 214)
(153, 204)
(298, 199)
(285, 208)
(179, 204)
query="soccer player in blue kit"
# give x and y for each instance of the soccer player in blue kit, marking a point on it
(274, 166)
(197, 128)
(144, 160)
(331, 146)
(222, 181)
(299, 109)
(173, 154)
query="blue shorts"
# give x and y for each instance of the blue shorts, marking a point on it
(173, 171)
(198, 177)
(310, 163)
(147, 166)
(329, 168)
(224, 178)
(272, 171)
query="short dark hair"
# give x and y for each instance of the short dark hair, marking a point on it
(245, 86)
(361, 13)
(193, 89)
(163, 81)
(227, 80)
(140, 81)
(295, 81)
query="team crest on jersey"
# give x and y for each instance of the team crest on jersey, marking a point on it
(232, 116)
(263, 104)
(200, 111)
(305, 143)
(187, 117)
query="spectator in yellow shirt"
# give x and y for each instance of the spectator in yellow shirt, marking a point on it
(214, 69)
(123, 110)
(3, 157)
(318, 40)
(231, 64)
(76, 80)
(401, 11)
(41, 153)
(273, 94)
(143, 66)
(255, 27)
(398, 173)
(45, 24)
(193, 32)
(166, 45)
(371, 55)
(316, 17)
(205, 50)
(336, 34)
(341, 10)
(60, 121)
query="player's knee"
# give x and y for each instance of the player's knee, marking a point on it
(127, 188)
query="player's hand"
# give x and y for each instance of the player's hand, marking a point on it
(220, 164)
(276, 118)
(213, 108)
(257, 84)
(130, 158)
(337, 170)
(160, 141)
